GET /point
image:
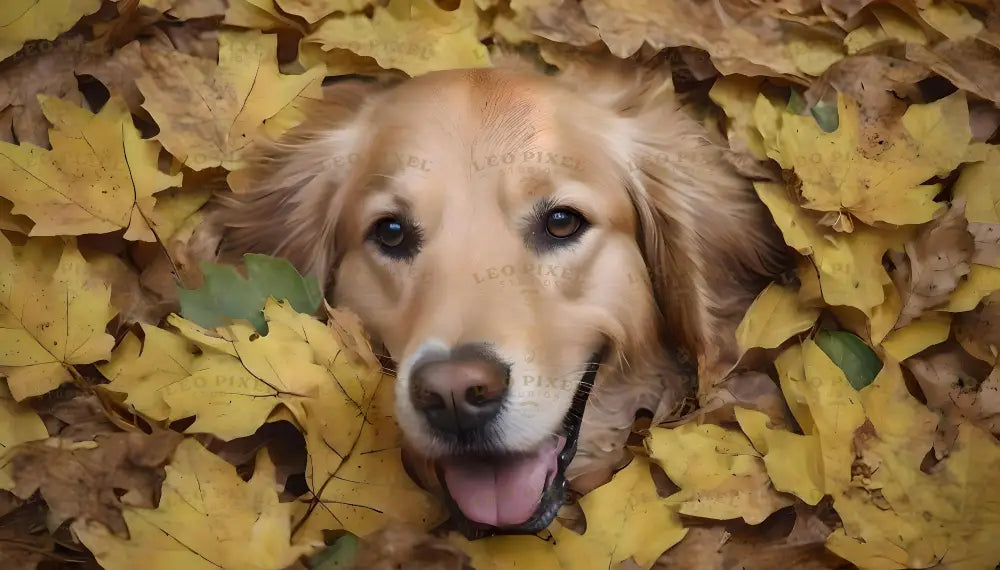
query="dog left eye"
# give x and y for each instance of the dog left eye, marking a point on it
(562, 223)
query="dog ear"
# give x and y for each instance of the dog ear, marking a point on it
(709, 243)
(295, 186)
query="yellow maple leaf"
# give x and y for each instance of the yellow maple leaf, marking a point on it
(238, 369)
(53, 311)
(24, 20)
(208, 114)
(99, 177)
(901, 517)
(414, 36)
(626, 519)
(849, 265)
(774, 317)
(354, 464)
(720, 474)
(792, 460)
(207, 518)
(841, 171)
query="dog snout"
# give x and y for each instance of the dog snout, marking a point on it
(462, 393)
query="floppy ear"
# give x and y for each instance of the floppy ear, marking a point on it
(709, 242)
(295, 186)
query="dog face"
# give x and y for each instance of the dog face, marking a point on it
(504, 235)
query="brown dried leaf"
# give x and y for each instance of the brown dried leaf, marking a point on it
(970, 64)
(936, 260)
(987, 243)
(397, 546)
(78, 481)
(978, 331)
(960, 388)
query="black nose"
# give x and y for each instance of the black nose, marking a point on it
(461, 393)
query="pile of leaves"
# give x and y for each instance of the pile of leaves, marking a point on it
(859, 429)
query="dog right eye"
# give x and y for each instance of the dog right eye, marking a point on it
(389, 232)
(396, 238)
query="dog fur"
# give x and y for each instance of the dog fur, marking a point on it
(680, 244)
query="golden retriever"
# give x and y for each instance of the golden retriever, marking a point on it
(512, 238)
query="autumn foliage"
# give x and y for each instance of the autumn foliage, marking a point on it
(860, 428)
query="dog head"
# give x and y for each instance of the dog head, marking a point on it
(504, 234)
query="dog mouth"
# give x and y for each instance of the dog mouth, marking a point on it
(516, 493)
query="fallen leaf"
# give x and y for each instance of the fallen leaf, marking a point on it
(918, 335)
(970, 64)
(951, 19)
(315, 10)
(849, 266)
(78, 480)
(240, 370)
(227, 295)
(752, 45)
(24, 20)
(18, 425)
(858, 362)
(886, 184)
(775, 316)
(936, 260)
(720, 474)
(53, 310)
(100, 175)
(207, 518)
(415, 36)
(207, 113)
(981, 281)
(188, 9)
(978, 331)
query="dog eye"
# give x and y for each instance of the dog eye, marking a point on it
(563, 223)
(396, 237)
(389, 232)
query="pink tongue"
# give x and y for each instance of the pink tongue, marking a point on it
(500, 494)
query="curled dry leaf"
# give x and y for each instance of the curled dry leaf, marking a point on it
(749, 44)
(401, 547)
(936, 260)
(79, 480)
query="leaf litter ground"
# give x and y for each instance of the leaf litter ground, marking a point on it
(137, 423)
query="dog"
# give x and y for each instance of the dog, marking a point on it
(536, 254)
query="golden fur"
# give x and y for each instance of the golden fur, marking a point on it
(679, 245)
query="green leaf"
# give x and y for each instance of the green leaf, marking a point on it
(859, 362)
(276, 277)
(228, 295)
(338, 556)
(796, 103)
(826, 116)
